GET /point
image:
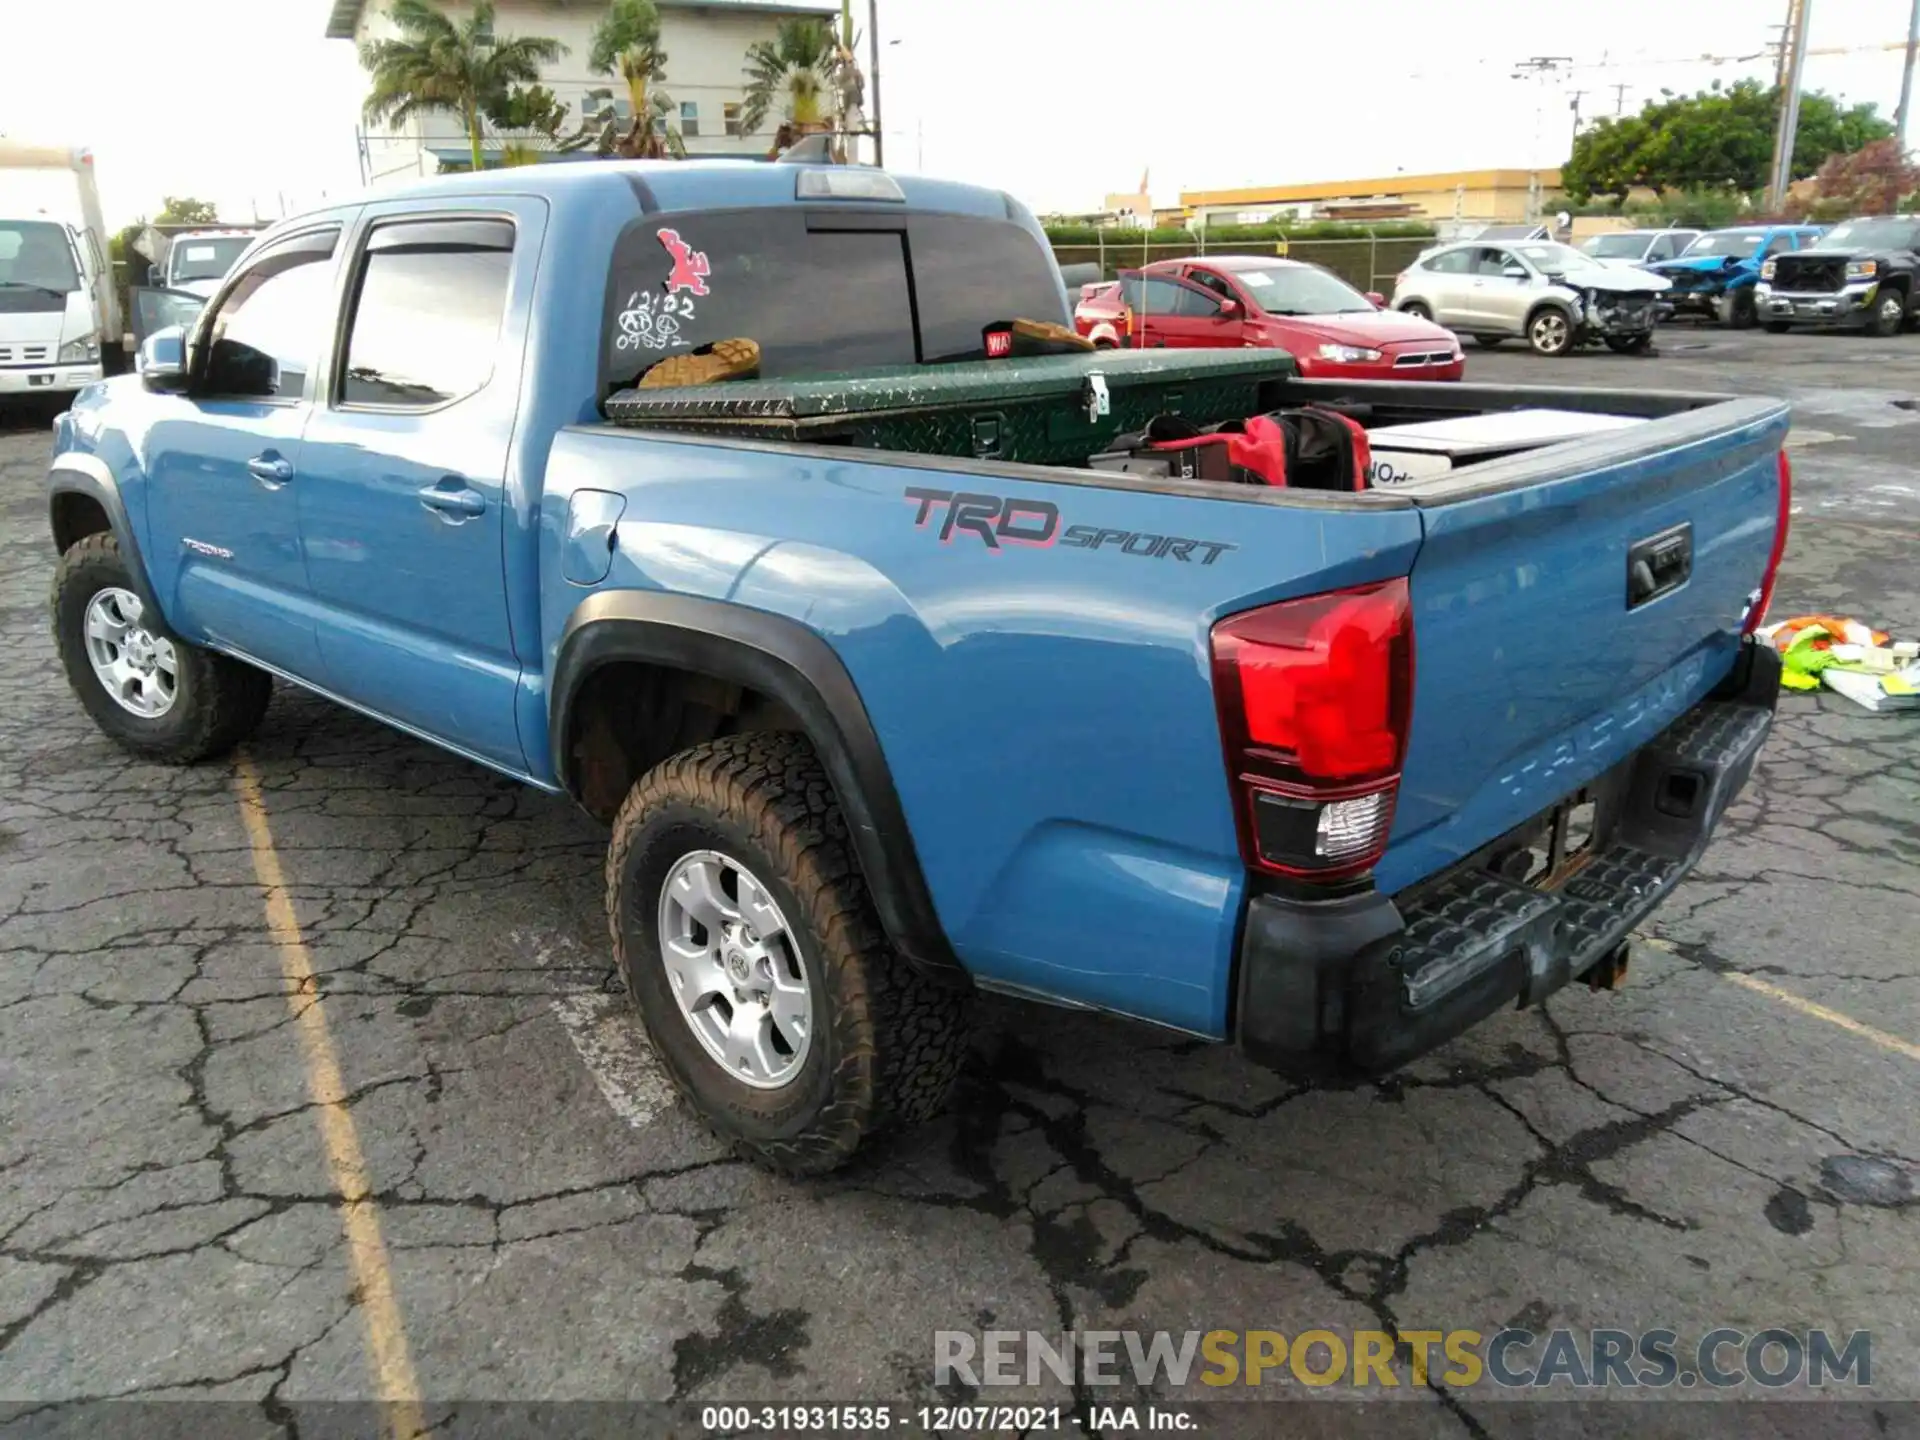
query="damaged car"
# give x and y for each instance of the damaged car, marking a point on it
(1862, 275)
(1716, 276)
(1550, 295)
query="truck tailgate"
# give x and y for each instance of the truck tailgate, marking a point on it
(1539, 662)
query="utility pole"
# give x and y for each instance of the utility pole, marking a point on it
(1574, 105)
(1619, 101)
(1789, 127)
(1540, 69)
(1901, 114)
(873, 64)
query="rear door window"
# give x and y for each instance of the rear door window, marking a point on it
(426, 315)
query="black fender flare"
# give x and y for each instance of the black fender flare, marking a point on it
(78, 474)
(792, 664)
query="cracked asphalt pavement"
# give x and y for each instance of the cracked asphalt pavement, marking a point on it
(1686, 1153)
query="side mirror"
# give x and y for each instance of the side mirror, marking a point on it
(1229, 309)
(1376, 300)
(162, 361)
(156, 276)
(1515, 272)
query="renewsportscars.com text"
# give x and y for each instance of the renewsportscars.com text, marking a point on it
(1511, 1358)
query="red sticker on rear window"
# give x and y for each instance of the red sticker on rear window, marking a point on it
(690, 269)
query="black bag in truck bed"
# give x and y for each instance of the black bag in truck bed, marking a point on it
(1047, 410)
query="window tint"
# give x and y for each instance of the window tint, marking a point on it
(1493, 262)
(426, 318)
(266, 332)
(969, 273)
(1449, 262)
(815, 302)
(1213, 282)
(1198, 302)
(1154, 295)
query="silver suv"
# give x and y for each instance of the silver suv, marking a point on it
(1548, 293)
(1638, 247)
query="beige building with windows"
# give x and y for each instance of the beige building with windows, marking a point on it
(706, 42)
(1491, 196)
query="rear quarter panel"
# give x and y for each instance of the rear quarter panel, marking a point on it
(1046, 710)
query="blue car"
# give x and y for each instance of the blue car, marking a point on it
(890, 684)
(1717, 273)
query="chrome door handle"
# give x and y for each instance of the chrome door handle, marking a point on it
(270, 470)
(453, 499)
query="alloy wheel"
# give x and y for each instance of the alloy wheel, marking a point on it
(735, 969)
(138, 668)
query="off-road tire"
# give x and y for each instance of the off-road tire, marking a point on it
(218, 701)
(888, 1041)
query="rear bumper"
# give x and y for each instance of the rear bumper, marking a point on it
(1370, 982)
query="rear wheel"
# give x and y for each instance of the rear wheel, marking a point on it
(749, 943)
(1488, 342)
(148, 690)
(1418, 309)
(1889, 313)
(1550, 331)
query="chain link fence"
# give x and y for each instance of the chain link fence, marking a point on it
(1366, 261)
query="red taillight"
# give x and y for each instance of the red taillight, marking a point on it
(1314, 699)
(1757, 611)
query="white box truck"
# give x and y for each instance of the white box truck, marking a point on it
(59, 315)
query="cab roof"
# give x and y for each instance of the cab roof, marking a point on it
(674, 185)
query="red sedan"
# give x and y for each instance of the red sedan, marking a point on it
(1236, 301)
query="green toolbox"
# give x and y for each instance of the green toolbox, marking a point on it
(1047, 410)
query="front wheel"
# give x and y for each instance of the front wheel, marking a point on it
(1550, 332)
(743, 927)
(1630, 344)
(148, 690)
(1737, 311)
(1889, 314)
(1776, 327)
(1417, 309)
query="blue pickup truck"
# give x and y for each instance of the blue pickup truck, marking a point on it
(888, 694)
(1716, 275)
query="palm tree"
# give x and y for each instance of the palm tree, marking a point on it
(792, 69)
(435, 64)
(626, 43)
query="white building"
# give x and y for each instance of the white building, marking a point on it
(706, 43)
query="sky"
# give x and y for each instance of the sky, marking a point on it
(245, 102)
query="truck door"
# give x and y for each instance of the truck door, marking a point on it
(404, 518)
(223, 461)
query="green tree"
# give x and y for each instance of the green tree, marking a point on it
(1719, 138)
(626, 44)
(185, 210)
(792, 71)
(435, 64)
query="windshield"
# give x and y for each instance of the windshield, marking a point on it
(196, 257)
(1300, 290)
(1872, 235)
(1551, 259)
(34, 254)
(1741, 244)
(1630, 245)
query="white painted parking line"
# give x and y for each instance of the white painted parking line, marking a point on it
(603, 1029)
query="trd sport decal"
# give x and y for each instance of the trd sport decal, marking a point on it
(1001, 520)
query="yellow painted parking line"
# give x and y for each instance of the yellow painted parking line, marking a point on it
(1821, 1012)
(387, 1354)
